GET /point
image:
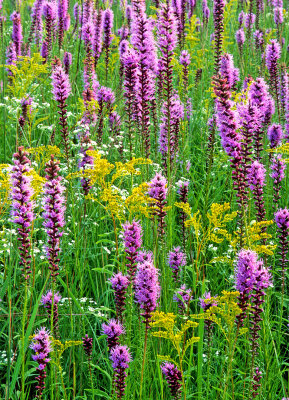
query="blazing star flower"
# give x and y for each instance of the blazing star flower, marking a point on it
(41, 345)
(47, 300)
(147, 288)
(67, 61)
(87, 345)
(275, 134)
(113, 329)
(176, 260)
(132, 243)
(158, 191)
(228, 71)
(182, 298)
(22, 207)
(121, 358)
(278, 167)
(219, 8)
(282, 222)
(17, 32)
(174, 378)
(119, 283)
(54, 208)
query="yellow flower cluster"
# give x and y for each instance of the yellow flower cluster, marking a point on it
(4, 187)
(42, 154)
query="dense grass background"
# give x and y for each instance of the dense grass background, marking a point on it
(89, 258)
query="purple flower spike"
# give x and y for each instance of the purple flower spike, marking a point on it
(256, 178)
(240, 39)
(278, 167)
(42, 347)
(119, 284)
(219, 8)
(147, 289)
(174, 378)
(121, 358)
(113, 330)
(11, 57)
(105, 98)
(176, 260)
(273, 53)
(183, 298)
(158, 191)
(17, 32)
(47, 300)
(132, 243)
(185, 58)
(49, 11)
(107, 35)
(144, 256)
(22, 207)
(67, 61)
(54, 208)
(275, 134)
(87, 346)
(228, 71)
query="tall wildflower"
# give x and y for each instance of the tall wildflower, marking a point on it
(62, 6)
(176, 260)
(273, 53)
(183, 189)
(113, 330)
(158, 191)
(86, 161)
(107, 35)
(167, 41)
(36, 23)
(121, 358)
(147, 292)
(87, 346)
(97, 39)
(183, 297)
(50, 301)
(219, 8)
(228, 70)
(22, 207)
(206, 302)
(277, 167)
(130, 61)
(170, 129)
(49, 12)
(41, 345)
(119, 283)
(132, 241)
(61, 90)
(143, 41)
(185, 61)
(17, 36)
(11, 57)
(174, 378)
(282, 222)
(105, 98)
(67, 61)
(256, 179)
(286, 104)
(54, 208)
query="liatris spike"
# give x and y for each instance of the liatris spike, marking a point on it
(259, 40)
(47, 300)
(174, 378)
(286, 104)
(61, 90)
(158, 191)
(278, 167)
(256, 382)
(120, 357)
(130, 61)
(142, 39)
(132, 241)
(183, 298)
(54, 208)
(62, 14)
(17, 32)
(206, 302)
(26, 103)
(275, 135)
(244, 280)
(240, 39)
(22, 207)
(87, 346)
(144, 256)
(113, 329)
(41, 345)
(97, 40)
(250, 19)
(219, 8)
(228, 71)
(107, 36)
(176, 260)
(273, 53)
(44, 51)
(105, 98)
(11, 57)
(147, 289)
(36, 23)
(86, 161)
(231, 141)
(119, 283)
(67, 61)
(183, 189)
(256, 179)
(167, 41)
(282, 222)
(185, 61)
(170, 129)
